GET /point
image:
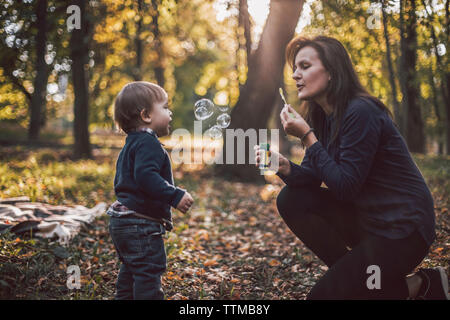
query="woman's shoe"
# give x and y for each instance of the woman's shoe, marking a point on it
(434, 284)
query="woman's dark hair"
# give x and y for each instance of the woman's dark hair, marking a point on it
(344, 84)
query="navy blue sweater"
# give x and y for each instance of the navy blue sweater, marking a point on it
(370, 166)
(144, 181)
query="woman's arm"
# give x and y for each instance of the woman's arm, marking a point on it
(361, 130)
(301, 175)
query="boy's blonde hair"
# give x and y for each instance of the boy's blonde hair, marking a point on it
(132, 99)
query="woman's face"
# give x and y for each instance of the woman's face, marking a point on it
(310, 75)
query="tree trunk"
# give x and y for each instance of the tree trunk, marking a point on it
(448, 115)
(436, 112)
(265, 73)
(40, 81)
(447, 18)
(157, 44)
(440, 63)
(447, 74)
(440, 66)
(244, 39)
(396, 105)
(402, 76)
(137, 74)
(414, 124)
(79, 55)
(244, 23)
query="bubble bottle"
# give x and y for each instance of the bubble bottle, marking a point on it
(265, 158)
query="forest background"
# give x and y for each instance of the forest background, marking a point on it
(63, 62)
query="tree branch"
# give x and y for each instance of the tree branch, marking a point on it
(19, 86)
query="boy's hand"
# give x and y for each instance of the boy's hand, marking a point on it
(185, 202)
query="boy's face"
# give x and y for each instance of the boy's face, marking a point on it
(161, 117)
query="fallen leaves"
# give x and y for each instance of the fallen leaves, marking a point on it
(173, 276)
(231, 245)
(214, 278)
(177, 296)
(235, 247)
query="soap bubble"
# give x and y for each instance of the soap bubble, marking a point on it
(204, 108)
(206, 103)
(223, 121)
(223, 109)
(441, 49)
(214, 132)
(202, 113)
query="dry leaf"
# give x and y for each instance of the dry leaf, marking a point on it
(40, 281)
(209, 263)
(274, 263)
(202, 234)
(296, 268)
(438, 250)
(245, 247)
(276, 282)
(214, 278)
(253, 221)
(268, 192)
(200, 272)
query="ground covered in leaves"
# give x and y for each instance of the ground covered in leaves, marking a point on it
(231, 245)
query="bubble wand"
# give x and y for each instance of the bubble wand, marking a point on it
(284, 100)
(282, 95)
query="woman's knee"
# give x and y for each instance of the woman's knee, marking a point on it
(283, 199)
(290, 201)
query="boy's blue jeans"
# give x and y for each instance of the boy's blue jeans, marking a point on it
(140, 247)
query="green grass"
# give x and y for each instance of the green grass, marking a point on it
(49, 176)
(16, 133)
(436, 171)
(29, 268)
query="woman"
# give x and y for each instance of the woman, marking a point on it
(374, 223)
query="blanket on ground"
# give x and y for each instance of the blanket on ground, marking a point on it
(21, 216)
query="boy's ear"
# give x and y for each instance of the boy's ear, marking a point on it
(145, 116)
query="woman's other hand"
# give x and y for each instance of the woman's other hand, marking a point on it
(284, 167)
(293, 123)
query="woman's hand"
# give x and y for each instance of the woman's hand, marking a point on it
(284, 167)
(293, 123)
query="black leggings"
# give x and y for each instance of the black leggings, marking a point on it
(330, 229)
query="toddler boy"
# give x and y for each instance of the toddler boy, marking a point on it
(145, 191)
